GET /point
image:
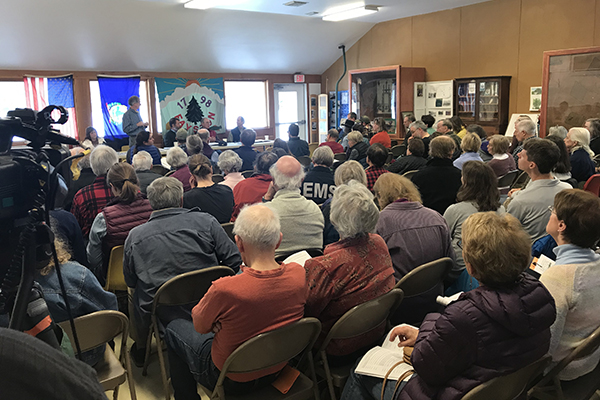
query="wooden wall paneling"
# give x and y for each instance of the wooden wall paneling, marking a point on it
(410, 75)
(435, 44)
(549, 25)
(391, 43)
(83, 104)
(489, 42)
(597, 25)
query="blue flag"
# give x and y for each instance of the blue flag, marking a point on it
(60, 91)
(114, 94)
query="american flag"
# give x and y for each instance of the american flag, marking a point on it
(41, 92)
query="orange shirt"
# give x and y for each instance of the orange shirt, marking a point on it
(382, 137)
(247, 305)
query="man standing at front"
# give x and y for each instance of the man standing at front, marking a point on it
(132, 120)
(537, 158)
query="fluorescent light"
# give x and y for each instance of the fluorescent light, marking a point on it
(342, 8)
(352, 13)
(206, 4)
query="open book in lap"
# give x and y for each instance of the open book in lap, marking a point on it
(378, 361)
(299, 257)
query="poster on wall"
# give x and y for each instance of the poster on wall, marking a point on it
(191, 100)
(535, 98)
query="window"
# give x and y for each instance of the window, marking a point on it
(12, 96)
(97, 117)
(247, 99)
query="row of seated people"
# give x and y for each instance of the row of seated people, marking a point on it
(508, 308)
(438, 184)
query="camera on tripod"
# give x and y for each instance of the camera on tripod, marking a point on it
(27, 187)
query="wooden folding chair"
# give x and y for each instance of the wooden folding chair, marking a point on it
(355, 322)
(399, 150)
(268, 350)
(99, 328)
(183, 290)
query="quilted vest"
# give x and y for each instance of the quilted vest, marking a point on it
(121, 218)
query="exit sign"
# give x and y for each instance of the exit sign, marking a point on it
(299, 79)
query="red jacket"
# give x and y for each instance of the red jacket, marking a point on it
(382, 137)
(250, 191)
(121, 218)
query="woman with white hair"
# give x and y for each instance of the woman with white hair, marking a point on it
(578, 144)
(230, 164)
(142, 163)
(352, 271)
(178, 160)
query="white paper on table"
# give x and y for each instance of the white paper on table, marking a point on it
(299, 257)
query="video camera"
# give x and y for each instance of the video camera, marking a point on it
(27, 189)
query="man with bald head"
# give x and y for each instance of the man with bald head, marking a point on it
(212, 155)
(265, 296)
(439, 181)
(301, 219)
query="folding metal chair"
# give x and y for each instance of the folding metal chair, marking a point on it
(96, 329)
(183, 290)
(357, 321)
(268, 350)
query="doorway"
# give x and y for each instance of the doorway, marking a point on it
(290, 108)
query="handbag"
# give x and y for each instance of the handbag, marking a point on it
(407, 353)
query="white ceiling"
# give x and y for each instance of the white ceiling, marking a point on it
(258, 36)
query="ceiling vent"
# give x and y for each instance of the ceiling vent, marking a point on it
(310, 14)
(295, 3)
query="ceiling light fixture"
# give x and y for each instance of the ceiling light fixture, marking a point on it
(206, 4)
(349, 13)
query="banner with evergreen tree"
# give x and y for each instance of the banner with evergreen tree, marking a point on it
(191, 100)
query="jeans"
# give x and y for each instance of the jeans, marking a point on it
(190, 361)
(360, 387)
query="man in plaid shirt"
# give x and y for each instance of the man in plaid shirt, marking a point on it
(89, 201)
(376, 157)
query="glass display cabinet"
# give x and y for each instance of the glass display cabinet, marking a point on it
(384, 92)
(483, 101)
(570, 88)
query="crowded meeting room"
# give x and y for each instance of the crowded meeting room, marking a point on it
(397, 200)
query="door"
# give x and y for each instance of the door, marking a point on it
(290, 108)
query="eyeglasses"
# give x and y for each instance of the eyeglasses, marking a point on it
(551, 209)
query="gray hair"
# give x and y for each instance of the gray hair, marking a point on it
(133, 99)
(526, 125)
(258, 226)
(283, 181)
(176, 157)
(194, 145)
(323, 155)
(84, 162)
(558, 131)
(353, 212)
(165, 192)
(142, 161)
(582, 137)
(348, 171)
(102, 158)
(229, 161)
(418, 125)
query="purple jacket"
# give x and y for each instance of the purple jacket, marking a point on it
(484, 334)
